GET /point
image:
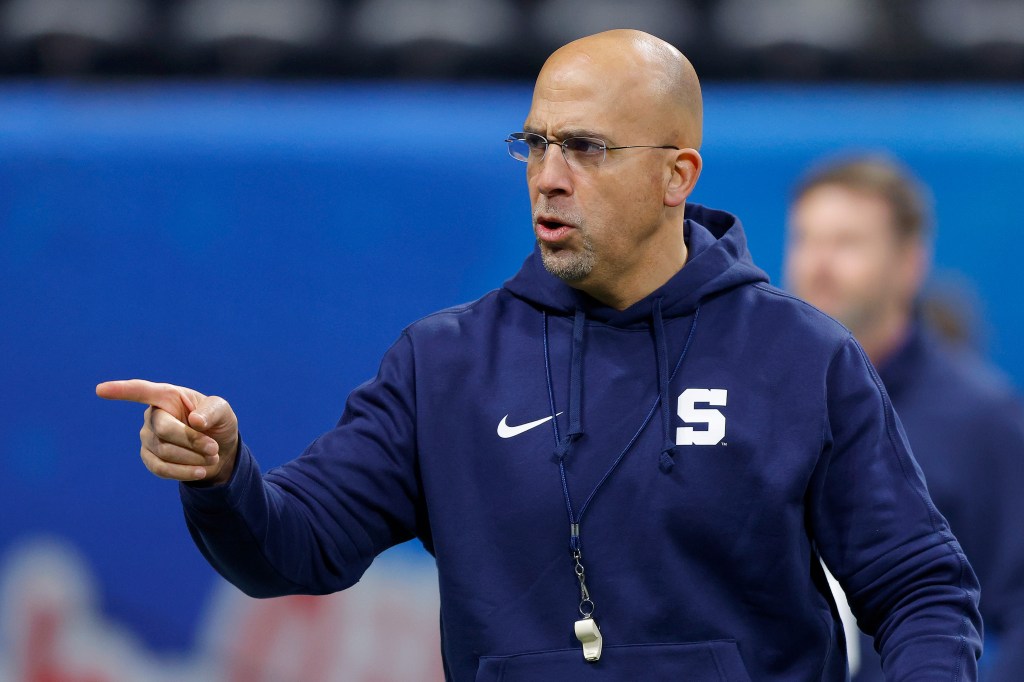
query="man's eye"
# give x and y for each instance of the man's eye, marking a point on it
(536, 143)
(584, 145)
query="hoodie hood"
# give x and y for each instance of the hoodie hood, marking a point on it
(717, 260)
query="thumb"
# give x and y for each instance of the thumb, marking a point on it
(214, 417)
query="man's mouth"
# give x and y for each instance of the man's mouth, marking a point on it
(551, 230)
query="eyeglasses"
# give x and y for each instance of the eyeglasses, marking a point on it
(578, 151)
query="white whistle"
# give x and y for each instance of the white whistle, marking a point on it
(588, 633)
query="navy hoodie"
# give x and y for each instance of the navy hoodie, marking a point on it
(711, 443)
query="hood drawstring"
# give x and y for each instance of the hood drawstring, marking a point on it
(563, 446)
(666, 461)
(668, 446)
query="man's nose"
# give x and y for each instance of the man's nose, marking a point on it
(553, 174)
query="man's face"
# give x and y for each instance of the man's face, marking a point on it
(593, 223)
(843, 256)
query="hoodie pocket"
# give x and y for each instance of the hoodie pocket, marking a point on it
(715, 661)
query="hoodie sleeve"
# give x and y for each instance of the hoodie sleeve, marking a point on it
(874, 523)
(313, 525)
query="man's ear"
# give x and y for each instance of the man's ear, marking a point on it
(683, 176)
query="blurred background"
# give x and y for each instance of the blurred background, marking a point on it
(877, 40)
(253, 197)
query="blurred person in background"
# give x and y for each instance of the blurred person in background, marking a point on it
(859, 248)
(638, 378)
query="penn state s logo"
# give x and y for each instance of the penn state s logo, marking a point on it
(705, 425)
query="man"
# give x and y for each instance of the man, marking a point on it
(628, 460)
(858, 248)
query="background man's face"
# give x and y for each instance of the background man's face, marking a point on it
(843, 256)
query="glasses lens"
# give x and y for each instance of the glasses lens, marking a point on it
(585, 151)
(527, 146)
(518, 148)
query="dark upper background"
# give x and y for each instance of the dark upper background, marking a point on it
(806, 40)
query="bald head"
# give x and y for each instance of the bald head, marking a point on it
(649, 83)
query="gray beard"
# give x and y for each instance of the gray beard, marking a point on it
(569, 266)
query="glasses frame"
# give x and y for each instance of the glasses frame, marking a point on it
(572, 156)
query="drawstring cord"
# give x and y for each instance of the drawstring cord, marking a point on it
(666, 461)
(563, 446)
(668, 446)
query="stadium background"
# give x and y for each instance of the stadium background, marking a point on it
(257, 212)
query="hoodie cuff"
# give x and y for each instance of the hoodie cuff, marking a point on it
(226, 496)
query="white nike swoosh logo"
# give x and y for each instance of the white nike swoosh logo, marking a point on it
(506, 431)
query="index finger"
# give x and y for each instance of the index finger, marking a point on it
(168, 397)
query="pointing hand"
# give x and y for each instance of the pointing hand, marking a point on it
(186, 436)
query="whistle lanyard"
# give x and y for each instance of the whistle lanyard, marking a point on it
(563, 447)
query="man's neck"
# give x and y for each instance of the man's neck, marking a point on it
(883, 340)
(623, 291)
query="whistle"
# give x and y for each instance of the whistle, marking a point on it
(590, 636)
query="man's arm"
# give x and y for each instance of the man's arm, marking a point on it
(908, 581)
(312, 525)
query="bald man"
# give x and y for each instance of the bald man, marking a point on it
(628, 460)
